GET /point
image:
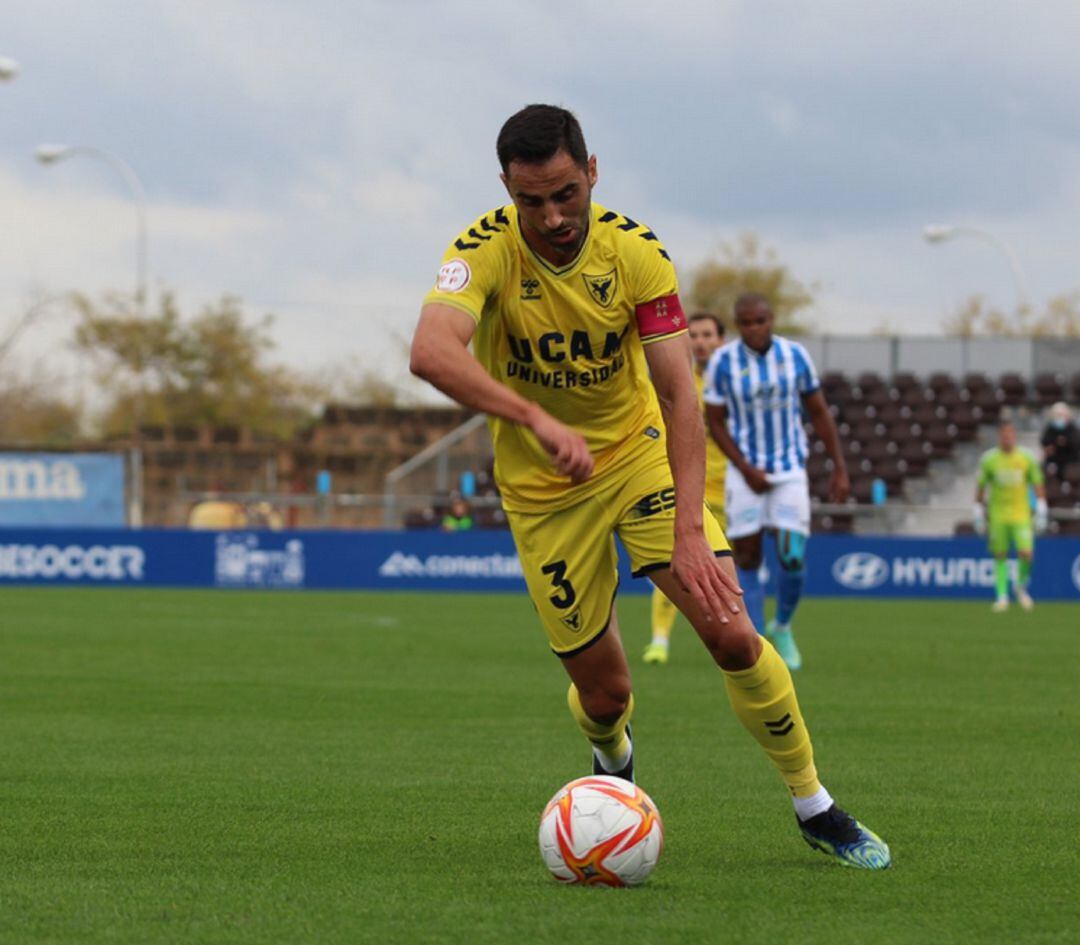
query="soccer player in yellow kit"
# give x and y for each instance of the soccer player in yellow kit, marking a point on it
(581, 361)
(706, 335)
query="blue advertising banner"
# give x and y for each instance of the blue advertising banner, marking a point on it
(66, 490)
(837, 565)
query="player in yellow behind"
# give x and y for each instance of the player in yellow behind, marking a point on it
(580, 360)
(706, 335)
(1007, 476)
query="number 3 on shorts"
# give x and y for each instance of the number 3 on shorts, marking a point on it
(567, 595)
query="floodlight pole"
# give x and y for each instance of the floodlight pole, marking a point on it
(940, 232)
(53, 153)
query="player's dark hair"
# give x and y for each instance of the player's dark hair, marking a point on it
(537, 132)
(750, 298)
(708, 317)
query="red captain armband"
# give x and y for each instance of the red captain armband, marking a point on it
(660, 317)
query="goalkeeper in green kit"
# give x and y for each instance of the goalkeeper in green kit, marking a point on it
(1007, 475)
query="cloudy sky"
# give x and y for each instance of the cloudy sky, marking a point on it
(315, 157)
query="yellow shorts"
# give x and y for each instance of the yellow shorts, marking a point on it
(569, 557)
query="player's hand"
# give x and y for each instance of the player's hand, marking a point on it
(696, 568)
(1042, 515)
(567, 449)
(978, 517)
(839, 486)
(756, 479)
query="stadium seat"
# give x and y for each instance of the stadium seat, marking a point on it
(904, 380)
(1014, 388)
(1074, 388)
(1071, 474)
(870, 381)
(940, 381)
(1049, 388)
(975, 381)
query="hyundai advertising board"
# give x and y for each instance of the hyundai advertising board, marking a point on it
(477, 561)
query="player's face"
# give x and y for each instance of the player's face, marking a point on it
(704, 340)
(553, 199)
(755, 322)
(1007, 438)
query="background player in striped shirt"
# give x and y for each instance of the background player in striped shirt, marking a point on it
(755, 390)
(706, 335)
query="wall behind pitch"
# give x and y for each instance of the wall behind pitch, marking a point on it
(475, 561)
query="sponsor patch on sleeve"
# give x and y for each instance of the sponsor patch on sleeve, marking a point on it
(453, 276)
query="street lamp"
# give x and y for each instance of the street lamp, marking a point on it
(53, 153)
(9, 68)
(940, 232)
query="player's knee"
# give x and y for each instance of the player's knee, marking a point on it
(735, 647)
(607, 702)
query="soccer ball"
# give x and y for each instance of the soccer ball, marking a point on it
(601, 831)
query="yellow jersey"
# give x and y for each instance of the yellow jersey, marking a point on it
(569, 338)
(715, 460)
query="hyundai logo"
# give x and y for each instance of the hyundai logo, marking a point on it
(1076, 572)
(861, 570)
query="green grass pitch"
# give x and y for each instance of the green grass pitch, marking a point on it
(198, 767)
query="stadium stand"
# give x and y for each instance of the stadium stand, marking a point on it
(894, 430)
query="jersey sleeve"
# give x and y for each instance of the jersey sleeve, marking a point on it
(473, 267)
(806, 378)
(714, 387)
(986, 471)
(657, 309)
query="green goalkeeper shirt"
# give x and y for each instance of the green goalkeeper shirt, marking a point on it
(1007, 479)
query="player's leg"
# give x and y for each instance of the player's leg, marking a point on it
(758, 683)
(745, 513)
(1023, 537)
(601, 700)
(569, 562)
(748, 554)
(998, 540)
(787, 515)
(664, 613)
(761, 691)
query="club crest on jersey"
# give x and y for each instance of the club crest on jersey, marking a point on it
(573, 622)
(530, 290)
(603, 287)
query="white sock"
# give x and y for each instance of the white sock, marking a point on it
(612, 763)
(660, 641)
(807, 807)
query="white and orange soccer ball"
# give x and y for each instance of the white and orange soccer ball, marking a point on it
(601, 831)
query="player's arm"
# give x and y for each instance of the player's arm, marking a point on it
(825, 428)
(716, 420)
(1038, 483)
(440, 355)
(693, 561)
(978, 510)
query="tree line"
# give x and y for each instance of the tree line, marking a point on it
(216, 367)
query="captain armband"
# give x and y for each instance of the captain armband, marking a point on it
(660, 318)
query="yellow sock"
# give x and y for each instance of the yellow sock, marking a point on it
(764, 700)
(664, 613)
(609, 740)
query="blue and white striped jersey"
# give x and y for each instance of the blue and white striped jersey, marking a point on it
(763, 395)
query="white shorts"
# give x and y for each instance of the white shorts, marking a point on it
(785, 506)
